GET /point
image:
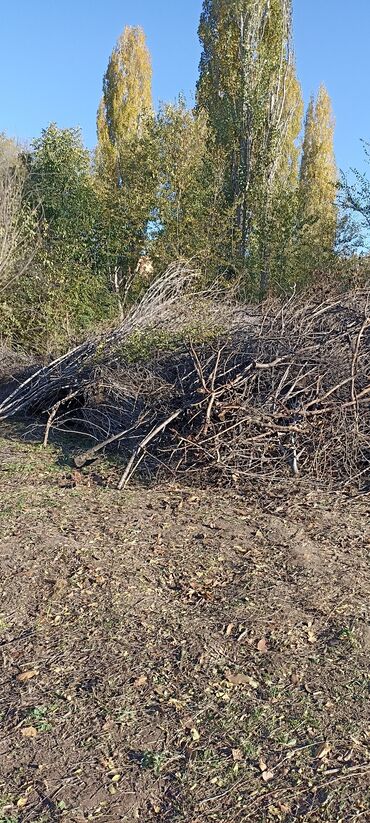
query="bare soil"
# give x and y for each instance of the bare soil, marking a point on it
(179, 654)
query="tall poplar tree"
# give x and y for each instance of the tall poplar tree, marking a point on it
(125, 176)
(245, 70)
(280, 233)
(318, 186)
(127, 96)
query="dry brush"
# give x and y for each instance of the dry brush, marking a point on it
(278, 390)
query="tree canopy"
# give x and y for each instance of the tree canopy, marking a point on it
(228, 183)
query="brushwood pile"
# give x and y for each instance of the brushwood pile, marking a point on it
(278, 390)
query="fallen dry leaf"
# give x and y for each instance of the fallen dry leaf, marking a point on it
(311, 635)
(267, 776)
(262, 646)
(275, 812)
(109, 725)
(141, 681)
(348, 756)
(323, 750)
(29, 731)
(176, 703)
(237, 755)
(237, 679)
(241, 680)
(27, 675)
(229, 629)
(188, 723)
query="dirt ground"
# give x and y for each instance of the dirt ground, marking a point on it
(179, 654)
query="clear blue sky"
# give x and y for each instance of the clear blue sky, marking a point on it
(53, 54)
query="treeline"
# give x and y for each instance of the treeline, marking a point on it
(239, 184)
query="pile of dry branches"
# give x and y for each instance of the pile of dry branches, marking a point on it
(284, 391)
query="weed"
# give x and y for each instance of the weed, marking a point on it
(346, 634)
(6, 812)
(3, 624)
(126, 716)
(39, 717)
(154, 761)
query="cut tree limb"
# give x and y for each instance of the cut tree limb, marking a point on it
(138, 456)
(85, 457)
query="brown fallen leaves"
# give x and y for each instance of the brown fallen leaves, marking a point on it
(28, 675)
(29, 731)
(237, 755)
(267, 776)
(323, 750)
(311, 634)
(141, 681)
(241, 679)
(266, 773)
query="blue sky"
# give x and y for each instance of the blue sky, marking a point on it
(53, 54)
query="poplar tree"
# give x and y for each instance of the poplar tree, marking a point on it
(282, 217)
(318, 183)
(127, 96)
(125, 178)
(288, 155)
(245, 69)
